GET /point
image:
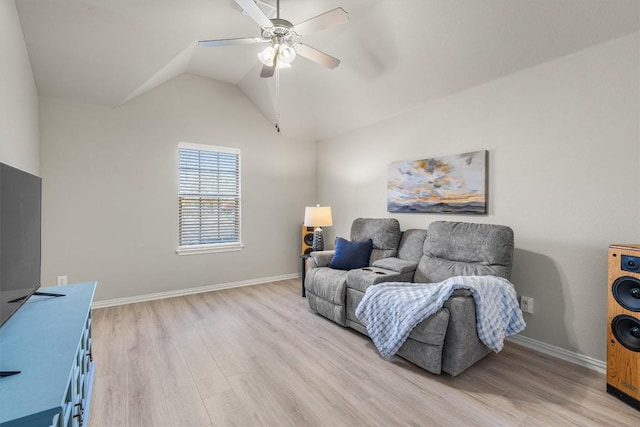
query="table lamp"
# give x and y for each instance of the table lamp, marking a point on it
(317, 216)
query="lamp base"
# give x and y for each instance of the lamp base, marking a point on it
(318, 241)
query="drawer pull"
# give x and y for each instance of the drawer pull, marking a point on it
(79, 414)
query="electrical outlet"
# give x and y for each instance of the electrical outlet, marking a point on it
(526, 304)
(62, 280)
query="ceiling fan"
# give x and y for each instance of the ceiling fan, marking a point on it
(281, 35)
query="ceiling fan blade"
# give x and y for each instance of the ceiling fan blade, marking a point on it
(328, 19)
(316, 56)
(267, 71)
(252, 9)
(231, 42)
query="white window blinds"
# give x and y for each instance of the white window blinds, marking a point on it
(209, 197)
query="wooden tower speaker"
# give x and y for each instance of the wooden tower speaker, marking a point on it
(623, 330)
(307, 240)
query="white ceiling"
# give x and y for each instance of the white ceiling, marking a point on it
(396, 54)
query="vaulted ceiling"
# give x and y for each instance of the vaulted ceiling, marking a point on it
(396, 54)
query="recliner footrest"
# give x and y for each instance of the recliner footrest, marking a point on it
(326, 293)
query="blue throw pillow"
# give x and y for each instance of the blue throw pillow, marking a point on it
(350, 255)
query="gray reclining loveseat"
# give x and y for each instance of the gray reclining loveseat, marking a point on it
(446, 341)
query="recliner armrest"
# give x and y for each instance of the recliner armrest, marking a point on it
(361, 278)
(396, 264)
(320, 259)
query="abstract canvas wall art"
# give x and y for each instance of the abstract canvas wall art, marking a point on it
(449, 184)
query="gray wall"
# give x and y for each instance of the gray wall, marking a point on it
(564, 150)
(19, 144)
(110, 190)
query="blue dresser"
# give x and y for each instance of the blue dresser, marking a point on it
(49, 340)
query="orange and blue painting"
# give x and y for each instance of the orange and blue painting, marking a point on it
(449, 184)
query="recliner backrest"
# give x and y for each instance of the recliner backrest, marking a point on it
(412, 244)
(384, 233)
(465, 249)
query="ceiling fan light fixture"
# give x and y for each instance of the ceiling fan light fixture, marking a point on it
(267, 56)
(286, 54)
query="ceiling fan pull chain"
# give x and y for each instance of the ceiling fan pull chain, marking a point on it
(275, 64)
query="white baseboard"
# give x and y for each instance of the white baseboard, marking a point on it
(190, 291)
(560, 353)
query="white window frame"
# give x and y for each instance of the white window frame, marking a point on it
(211, 247)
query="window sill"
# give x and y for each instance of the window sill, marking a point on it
(208, 249)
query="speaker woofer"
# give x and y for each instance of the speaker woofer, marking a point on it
(308, 239)
(626, 329)
(626, 290)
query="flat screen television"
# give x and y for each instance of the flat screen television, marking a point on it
(20, 232)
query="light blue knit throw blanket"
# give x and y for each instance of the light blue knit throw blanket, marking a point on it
(391, 310)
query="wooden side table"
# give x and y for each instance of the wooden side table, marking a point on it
(304, 259)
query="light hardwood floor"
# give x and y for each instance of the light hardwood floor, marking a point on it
(257, 356)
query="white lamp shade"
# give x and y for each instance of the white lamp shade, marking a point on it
(317, 216)
(267, 56)
(286, 54)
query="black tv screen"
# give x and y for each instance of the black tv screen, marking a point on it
(20, 229)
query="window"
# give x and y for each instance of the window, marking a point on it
(208, 199)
